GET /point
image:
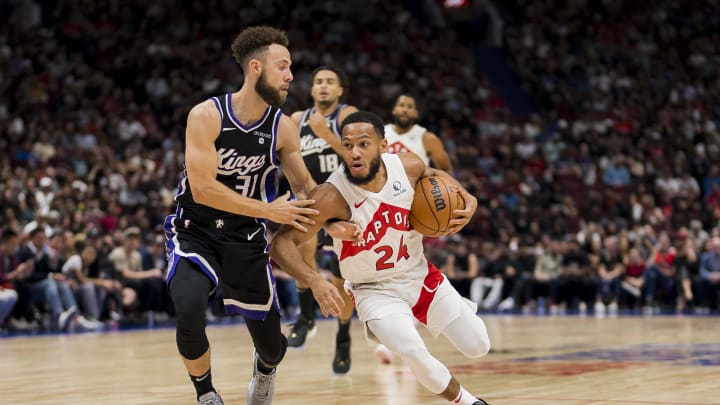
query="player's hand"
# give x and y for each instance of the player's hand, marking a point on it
(319, 125)
(327, 296)
(295, 213)
(345, 230)
(462, 217)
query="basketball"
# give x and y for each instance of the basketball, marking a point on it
(433, 205)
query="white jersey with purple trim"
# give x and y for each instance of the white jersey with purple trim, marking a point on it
(410, 141)
(389, 248)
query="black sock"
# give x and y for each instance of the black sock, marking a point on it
(264, 368)
(307, 304)
(343, 334)
(203, 383)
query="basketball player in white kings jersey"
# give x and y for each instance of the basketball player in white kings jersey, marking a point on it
(387, 274)
(405, 135)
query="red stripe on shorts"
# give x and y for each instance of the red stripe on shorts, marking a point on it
(432, 281)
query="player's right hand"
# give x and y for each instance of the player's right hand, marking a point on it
(327, 296)
(295, 213)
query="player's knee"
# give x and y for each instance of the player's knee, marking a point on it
(414, 352)
(190, 307)
(272, 353)
(191, 338)
(192, 343)
(479, 345)
(480, 349)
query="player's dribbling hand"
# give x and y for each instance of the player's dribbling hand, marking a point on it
(463, 216)
(327, 296)
(295, 213)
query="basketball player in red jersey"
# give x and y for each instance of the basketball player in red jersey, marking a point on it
(319, 128)
(389, 278)
(405, 135)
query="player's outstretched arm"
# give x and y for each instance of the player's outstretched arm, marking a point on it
(285, 250)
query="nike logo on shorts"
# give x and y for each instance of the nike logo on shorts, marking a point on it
(252, 235)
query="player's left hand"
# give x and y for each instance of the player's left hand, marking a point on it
(463, 216)
(345, 230)
(327, 296)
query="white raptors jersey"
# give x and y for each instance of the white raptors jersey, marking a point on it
(411, 141)
(389, 247)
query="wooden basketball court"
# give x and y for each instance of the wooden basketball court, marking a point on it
(535, 360)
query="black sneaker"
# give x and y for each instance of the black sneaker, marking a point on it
(301, 331)
(480, 402)
(341, 362)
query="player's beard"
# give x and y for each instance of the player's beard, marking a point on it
(361, 181)
(403, 124)
(269, 94)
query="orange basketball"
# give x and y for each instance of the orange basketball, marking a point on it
(433, 205)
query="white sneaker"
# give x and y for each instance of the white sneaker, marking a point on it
(87, 324)
(210, 398)
(613, 308)
(582, 308)
(383, 354)
(599, 309)
(262, 386)
(507, 304)
(66, 317)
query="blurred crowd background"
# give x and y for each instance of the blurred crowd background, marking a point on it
(588, 131)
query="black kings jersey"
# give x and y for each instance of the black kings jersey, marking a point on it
(247, 162)
(319, 156)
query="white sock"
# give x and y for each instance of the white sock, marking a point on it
(464, 398)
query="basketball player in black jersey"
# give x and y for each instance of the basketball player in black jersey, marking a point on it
(319, 147)
(217, 238)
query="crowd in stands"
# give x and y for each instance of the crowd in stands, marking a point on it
(620, 163)
(608, 197)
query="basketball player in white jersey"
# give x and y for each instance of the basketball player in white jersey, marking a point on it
(388, 276)
(405, 135)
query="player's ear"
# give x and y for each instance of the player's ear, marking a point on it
(383, 144)
(255, 66)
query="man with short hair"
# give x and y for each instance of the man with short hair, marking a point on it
(405, 135)
(388, 276)
(217, 238)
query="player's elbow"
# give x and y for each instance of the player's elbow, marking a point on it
(202, 191)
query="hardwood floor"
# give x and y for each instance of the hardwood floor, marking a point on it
(535, 360)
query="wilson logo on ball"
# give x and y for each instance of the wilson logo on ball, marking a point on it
(437, 193)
